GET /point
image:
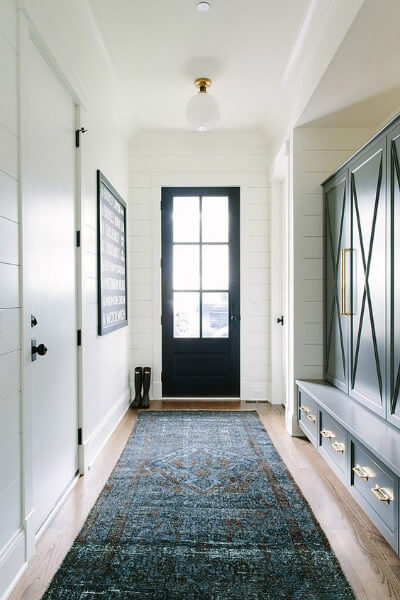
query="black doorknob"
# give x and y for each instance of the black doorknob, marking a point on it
(41, 349)
(280, 320)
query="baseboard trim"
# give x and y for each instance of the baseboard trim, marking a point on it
(92, 447)
(12, 563)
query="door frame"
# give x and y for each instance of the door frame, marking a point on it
(184, 179)
(280, 279)
(30, 23)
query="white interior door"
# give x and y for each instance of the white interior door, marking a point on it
(49, 280)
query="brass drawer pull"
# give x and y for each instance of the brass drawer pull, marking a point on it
(381, 495)
(328, 435)
(361, 472)
(312, 418)
(304, 409)
(343, 308)
(339, 447)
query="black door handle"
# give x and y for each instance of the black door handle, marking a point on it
(41, 349)
(280, 320)
(235, 318)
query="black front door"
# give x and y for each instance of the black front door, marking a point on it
(201, 292)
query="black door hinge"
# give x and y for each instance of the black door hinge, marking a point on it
(161, 205)
(78, 239)
(161, 377)
(79, 337)
(80, 436)
(78, 136)
(161, 320)
(160, 263)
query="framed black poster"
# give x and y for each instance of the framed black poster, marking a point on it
(111, 258)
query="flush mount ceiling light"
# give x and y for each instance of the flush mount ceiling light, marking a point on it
(203, 6)
(202, 110)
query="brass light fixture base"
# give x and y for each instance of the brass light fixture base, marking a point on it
(202, 83)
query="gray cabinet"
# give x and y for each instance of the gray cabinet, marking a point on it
(362, 276)
(393, 251)
(368, 276)
(337, 221)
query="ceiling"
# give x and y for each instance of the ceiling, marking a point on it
(253, 50)
(361, 86)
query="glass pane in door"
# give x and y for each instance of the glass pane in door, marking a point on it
(186, 267)
(215, 317)
(186, 314)
(215, 267)
(186, 219)
(215, 218)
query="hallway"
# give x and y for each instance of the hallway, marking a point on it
(370, 565)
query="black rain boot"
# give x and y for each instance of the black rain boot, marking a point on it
(138, 388)
(146, 387)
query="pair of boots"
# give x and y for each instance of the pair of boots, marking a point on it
(142, 377)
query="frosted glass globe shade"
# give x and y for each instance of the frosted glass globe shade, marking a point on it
(202, 111)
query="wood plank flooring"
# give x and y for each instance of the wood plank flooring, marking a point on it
(369, 563)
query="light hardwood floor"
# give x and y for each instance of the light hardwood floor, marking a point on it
(369, 563)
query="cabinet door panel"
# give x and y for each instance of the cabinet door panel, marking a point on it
(368, 268)
(336, 239)
(393, 149)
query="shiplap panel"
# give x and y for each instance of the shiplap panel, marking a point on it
(313, 268)
(311, 182)
(140, 228)
(139, 195)
(140, 292)
(10, 511)
(202, 163)
(141, 357)
(9, 330)
(258, 308)
(139, 276)
(313, 204)
(258, 211)
(8, 152)
(141, 243)
(10, 418)
(258, 243)
(9, 206)
(312, 333)
(257, 195)
(256, 228)
(140, 260)
(325, 160)
(9, 288)
(345, 139)
(258, 324)
(313, 312)
(140, 212)
(259, 340)
(8, 22)
(258, 260)
(258, 275)
(9, 110)
(312, 354)
(10, 462)
(313, 225)
(142, 340)
(90, 265)
(90, 290)
(313, 246)
(259, 291)
(313, 289)
(9, 374)
(141, 308)
(9, 241)
(141, 324)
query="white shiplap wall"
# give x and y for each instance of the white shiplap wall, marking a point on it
(315, 154)
(188, 159)
(10, 347)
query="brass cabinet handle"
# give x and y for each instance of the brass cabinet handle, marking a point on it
(304, 409)
(381, 495)
(361, 472)
(328, 435)
(344, 310)
(312, 418)
(339, 447)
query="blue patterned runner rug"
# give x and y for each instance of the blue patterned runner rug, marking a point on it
(200, 506)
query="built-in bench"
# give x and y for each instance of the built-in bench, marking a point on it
(363, 449)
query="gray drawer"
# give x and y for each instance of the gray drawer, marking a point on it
(333, 442)
(378, 486)
(308, 416)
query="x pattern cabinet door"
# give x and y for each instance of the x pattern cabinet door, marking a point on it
(368, 266)
(336, 324)
(394, 254)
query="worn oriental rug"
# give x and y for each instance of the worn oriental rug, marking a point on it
(200, 506)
